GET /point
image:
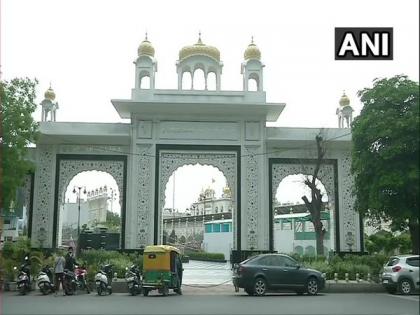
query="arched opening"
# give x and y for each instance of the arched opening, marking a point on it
(186, 80)
(199, 79)
(145, 82)
(293, 229)
(211, 81)
(252, 85)
(90, 212)
(197, 215)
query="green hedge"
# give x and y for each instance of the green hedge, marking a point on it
(351, 264)
(205, 256)
(94, 258)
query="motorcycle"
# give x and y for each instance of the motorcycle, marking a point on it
(45, 280)
(103, 280)
(81, 275)
(134, 280)
(69, 282)
(23, 279)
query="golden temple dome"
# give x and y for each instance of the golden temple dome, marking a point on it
(146, 48)
(199, 49)
(226, 190)
(344, 100)
(49, 94)
(252, 51)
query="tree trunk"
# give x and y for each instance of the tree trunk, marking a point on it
(413, 226)
(319, 232)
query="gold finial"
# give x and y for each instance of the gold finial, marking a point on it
(145, 38)
(252, 39)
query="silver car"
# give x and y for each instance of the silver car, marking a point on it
(401, 273)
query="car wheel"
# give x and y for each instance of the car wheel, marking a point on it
(405, 286)
(312, 286)
(260, 286)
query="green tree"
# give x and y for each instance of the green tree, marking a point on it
(17, 131)
(385, 160)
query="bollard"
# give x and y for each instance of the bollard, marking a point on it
(357, 277)
(346, 276)
(336, 277)
(380, 277)
(115, 276)
(368, 277)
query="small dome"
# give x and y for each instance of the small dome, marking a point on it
(199, 49)
(146, 48)
(49, 94)
(226, 190)
(344, 100)
(252, 52)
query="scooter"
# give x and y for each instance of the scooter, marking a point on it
(45, 280)
(69, 282)
(81, 275)
(23, 279)
(134, 280)
(103, 280)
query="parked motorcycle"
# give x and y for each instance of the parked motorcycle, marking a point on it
(81, 276)
(103, 280)
(134, 280)
(45, 280)
(23, 279)
(69, 282)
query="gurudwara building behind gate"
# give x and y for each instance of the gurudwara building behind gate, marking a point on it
(172, 128)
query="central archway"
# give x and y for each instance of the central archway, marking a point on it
(225, 158)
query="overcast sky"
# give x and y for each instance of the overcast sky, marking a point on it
(86, 49)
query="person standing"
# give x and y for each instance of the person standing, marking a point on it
(59, 272)
(70, 261)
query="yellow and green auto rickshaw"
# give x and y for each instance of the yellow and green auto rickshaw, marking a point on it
(162, 269)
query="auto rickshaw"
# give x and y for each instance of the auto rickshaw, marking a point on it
(162, 269)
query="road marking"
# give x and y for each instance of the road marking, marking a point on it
(414, 298)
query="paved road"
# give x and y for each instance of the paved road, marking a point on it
(201, 272)
(354, 304)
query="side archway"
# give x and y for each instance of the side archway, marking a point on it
(69, 165)
(281, 168)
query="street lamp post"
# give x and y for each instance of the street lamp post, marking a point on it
(78, 192)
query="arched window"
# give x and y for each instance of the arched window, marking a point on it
(186, 81)
(252, 85)
(145, 82)
(199, 80)
(211, 81)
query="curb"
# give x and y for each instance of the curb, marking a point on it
(330, 287)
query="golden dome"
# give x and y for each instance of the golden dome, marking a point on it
(146, 48)
(252, 51)
(226, 190)
(199, 49)
(49, 94)
(344, 100)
